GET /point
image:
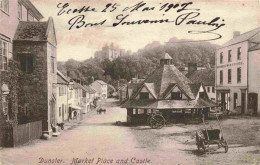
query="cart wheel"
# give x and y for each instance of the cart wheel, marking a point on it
(198, 146)
(225, 146)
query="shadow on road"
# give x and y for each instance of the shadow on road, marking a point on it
(200, 153)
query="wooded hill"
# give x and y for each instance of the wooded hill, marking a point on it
(141, 63)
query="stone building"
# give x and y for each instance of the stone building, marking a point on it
(101, 88)
(35, 50)
(14, 13)
(166, 90)
(62, 112)
(109, 52)
(238, 73)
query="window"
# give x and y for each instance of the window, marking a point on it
(176, 96)
(213, 89)
(208, 89)
(26, 61)
(59, 111)
(19, 11)
(229, 76)
(239, 53)
(4, 5)
(5, 106)
(30, 17)
(202, 95)
(221, 77)
(144, 95)
(3, 55)
(52, 65)
(229, 56)
(221, 57)
(140, 111)
(238, 75)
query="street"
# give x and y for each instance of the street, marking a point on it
(97, 140)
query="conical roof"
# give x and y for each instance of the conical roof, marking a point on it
(167, 57)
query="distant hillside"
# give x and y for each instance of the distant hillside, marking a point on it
(141, 63)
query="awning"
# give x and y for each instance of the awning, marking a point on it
(75, 107)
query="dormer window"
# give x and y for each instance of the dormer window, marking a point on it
(176, 96)
(144, 95)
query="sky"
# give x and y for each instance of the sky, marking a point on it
(81, 44)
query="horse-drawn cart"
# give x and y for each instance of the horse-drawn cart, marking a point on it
(208, 137)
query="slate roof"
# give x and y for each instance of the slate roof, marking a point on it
(242, 37)
(167, 56)
(163, 77)
(89, 89)
(205, 76)
(31, 31)
(101, 82)
(61, 78)
(159, 84)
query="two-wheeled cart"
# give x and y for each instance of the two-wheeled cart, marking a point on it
(208, 137)
(156, 120)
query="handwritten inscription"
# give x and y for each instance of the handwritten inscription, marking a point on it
(181, 14)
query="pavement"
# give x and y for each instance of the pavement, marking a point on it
(97, 140)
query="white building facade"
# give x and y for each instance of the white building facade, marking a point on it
(237, 73)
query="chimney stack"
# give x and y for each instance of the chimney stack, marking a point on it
(68, 73)
(192, 67)
(236, 34)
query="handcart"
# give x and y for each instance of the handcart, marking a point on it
(208, 137)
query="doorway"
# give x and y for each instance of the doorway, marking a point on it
(243, 102)
(253, 102)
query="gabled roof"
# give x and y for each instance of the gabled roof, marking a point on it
(61, 78)
(101, 82)
(77, 85)
(31, 31)
(35, 31)
(205, 76)
(243, 37)
(166, 75)
(195, 88)
(159, 83)
(89, 89)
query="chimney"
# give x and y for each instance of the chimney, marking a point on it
(236, 34)
(192, 67)
(68, 73)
